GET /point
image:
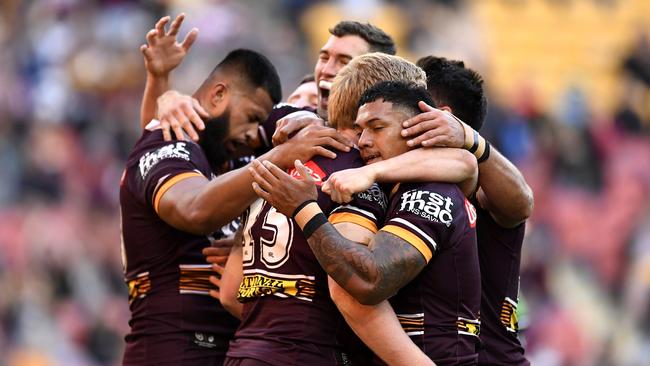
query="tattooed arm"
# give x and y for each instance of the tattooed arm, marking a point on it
(370, 274)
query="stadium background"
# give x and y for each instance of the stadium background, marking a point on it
(569, 104)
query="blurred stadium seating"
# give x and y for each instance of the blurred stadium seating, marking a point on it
(569, 94)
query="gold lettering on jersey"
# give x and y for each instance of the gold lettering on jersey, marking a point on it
(508, 315)
(257, 285)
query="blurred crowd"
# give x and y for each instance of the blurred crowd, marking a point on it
(71, 79)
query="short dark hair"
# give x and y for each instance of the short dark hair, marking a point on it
(452, 84)
(377, 39)
(255, 69)
(400, 93)
(309, 78)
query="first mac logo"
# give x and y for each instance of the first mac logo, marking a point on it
(150, 159)
(429, 205)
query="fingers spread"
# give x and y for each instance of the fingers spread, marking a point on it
(176, 25)
(165, 130)
(151, 37)
(195, 120)
(160, 25)
(215, 281)
(189, 39)
(200, 110)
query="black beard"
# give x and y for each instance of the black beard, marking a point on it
(212, 139)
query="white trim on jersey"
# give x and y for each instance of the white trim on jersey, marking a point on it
(280, 275)
(353, 208)
(416, 229)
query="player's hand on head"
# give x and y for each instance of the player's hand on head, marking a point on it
(342, 185)
(162, 52)
(285, 192)
(310, 141)
(292, 123)
(433, 127)
(179, 112)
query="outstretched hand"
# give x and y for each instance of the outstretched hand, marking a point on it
(162, 53)
(280, 189)
(433, 127)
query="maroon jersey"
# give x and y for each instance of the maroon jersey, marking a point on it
(288, 315)
(173, 319)
(499, 252)
(439, 309)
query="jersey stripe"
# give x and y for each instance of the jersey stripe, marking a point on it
(353, 218)
(170, 183)
(416, 230)
(369, 214)
(411, 238)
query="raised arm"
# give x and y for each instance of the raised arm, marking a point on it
(162, 54)
(503, 191)
(421, 165)
(370, 274)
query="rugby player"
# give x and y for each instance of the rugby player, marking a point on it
(425, 255)
(287, 315)
(503, 201)
(306, 94)
(169, 203)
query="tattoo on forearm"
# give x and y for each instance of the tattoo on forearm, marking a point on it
(384, 267)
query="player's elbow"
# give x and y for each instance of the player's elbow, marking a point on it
(524, 207)
(201, 221)
(370, 294)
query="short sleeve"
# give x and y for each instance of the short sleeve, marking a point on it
(162, 167)
(366, 209)
(423, 215)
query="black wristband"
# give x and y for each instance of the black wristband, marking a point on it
(300, 207)
(486, 153)
(314, 223)
(474, 146)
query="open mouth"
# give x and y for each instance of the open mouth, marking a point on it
(324, 87)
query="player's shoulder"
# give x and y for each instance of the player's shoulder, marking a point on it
(283, 109)
(151, 149)
(437, 202)
(440, 188)
(344, 160)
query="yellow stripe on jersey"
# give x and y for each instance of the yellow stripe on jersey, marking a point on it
(340, 217)
(170, 183)
(411, 238)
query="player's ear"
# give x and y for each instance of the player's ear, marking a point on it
(446, 108)
(219, 97)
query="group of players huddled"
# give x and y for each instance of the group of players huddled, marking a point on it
(374, 225)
